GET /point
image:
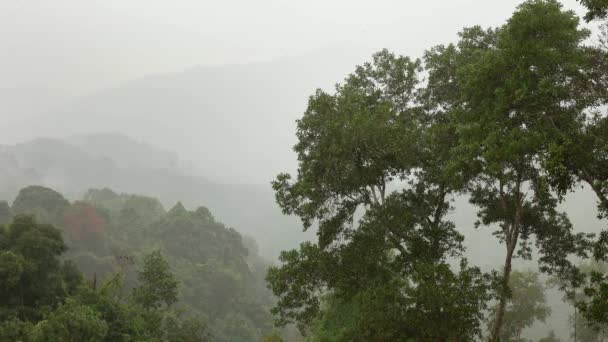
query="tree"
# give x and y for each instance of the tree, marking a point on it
(125, 322)
(590, 298)
(84, 226)
(398, 311)
(6, 214)
(126, 216)
(32, 274)
(581, 155)
(47, 205)
(588, 331)
(218, 275)
(157, 284)
(33, 280)
(596, 9)
(134, 318)
(71, 322)
(527, 304)
(82, 222)
(185, 329)
(42, 298)
(355, 147)
(509, 92)
(11, 269)
(574, 286)
(14, 329)
(215, 256)
(587, 161)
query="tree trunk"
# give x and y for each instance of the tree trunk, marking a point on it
(511, 236)
(575, 323)
(500, 312)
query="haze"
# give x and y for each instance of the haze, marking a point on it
(54, 53)
(195, 102)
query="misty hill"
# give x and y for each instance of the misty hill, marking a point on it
(125, 151)
(111, 160)
(98, 161)
(236, 122)
(220, 273)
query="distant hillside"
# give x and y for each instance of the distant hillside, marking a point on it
(220, 274)
(236, 122)
(71, 168)
(124, 151)
(101, 161)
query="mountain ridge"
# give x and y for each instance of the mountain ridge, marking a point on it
(236, 122)
(72, 170)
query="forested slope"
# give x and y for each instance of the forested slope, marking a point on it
(114, 161)
(220, 274)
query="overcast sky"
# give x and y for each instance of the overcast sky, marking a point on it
(54, 52)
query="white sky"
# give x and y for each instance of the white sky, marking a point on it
(56, 50)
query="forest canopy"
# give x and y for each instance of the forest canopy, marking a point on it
(507, 121)
(119, 267)
(509, 117)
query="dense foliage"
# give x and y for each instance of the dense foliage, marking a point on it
(206, 269)
(45, 299)
(509, 117)
(354, 146)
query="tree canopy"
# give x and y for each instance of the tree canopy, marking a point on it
(371, 149)
(503, 116)
(510, 118)
(196, 278)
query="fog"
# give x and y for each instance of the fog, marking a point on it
(195, 101)
(55, 55)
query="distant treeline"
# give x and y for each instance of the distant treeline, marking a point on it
(116, 267)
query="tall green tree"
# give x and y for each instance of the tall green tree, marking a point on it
(47, 205)
(372, 149)
(158, 286)
(33, 278)
(71, 322)
(510, 95)
(581, 155)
